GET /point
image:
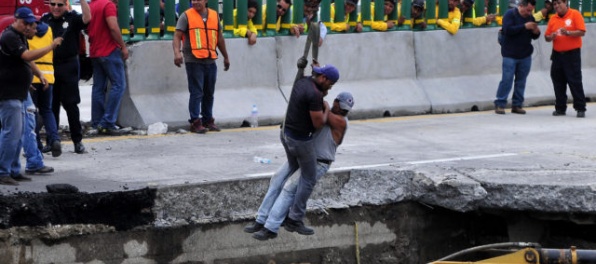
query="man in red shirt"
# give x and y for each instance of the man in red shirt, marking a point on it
(108, 52)
(565, 30)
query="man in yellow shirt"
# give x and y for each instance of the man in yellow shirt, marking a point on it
(453, 22)
(283, 6)
(476, 21)
(339, 26)
(249, 31)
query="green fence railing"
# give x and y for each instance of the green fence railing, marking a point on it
(156, 19)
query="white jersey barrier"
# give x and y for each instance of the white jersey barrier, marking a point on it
(389, 74)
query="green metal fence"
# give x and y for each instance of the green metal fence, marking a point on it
(147, 20)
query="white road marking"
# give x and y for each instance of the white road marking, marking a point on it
(463, 158)
(409, 162)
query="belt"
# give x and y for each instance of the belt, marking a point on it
(297, 135)
(566, 52)
(328, 162)
(72, 58)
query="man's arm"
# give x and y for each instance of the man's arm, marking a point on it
(37, 72)
(176, 46)
(221, 45)
(116, 35)
(31, 55)
(319, 118)
(338, 127)
(86, 11)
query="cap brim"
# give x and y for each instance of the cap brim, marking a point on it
(30, 19)
(344, 106)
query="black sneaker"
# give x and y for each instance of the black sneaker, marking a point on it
(264, 234)
(558, 113)
(56, 148)
(292, 225)
(253, 227)
(110, 131)
(42, 170)
(46, 149)
(20, 178)
(79, 148)
(581, 114)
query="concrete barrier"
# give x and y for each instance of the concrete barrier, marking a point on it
(389, 73)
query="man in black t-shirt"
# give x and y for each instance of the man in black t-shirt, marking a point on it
(16, 75)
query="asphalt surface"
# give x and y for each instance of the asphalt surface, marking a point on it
(532, 148)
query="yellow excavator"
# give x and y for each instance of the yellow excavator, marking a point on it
(519, 253)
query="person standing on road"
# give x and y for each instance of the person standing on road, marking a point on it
(65, 92)
(108, 52)
(565, 30)
(16, 74)
(42, 96)
(519, 29)
(281, 192)
(37, 39)
(201, 28)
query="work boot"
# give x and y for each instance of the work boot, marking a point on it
(197, 127)
(79, 148)
(7, 180)
(42, 170)
(56, 148)
(499, 110)
(211, 126)
(292, 225)
(558, 113)
(253, 227)
(264, 234)
(19, 177)
(581, 114)
(518, 110)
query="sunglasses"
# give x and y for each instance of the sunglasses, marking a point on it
(57, 4)
(281, 8)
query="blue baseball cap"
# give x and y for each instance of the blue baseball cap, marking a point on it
(329, 71)
(346, 101)
(42, 29)
(26, 14)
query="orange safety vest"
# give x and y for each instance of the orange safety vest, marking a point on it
(203, 35)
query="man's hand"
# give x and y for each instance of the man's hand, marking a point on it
(124, 53)
(57, 42)
(226, 64)
(45, 82)
(390, 24)
(531, 25)
(296, 30)
(252, 37)
(401, 20)
(490, 18)
(358, 27)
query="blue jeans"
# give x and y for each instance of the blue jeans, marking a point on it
(518, 68)
(11, 118)
(282, 204)
(201, 86)
(276, 185)
(43, 100)
(301, 154)
(104, 109)
(29, 139)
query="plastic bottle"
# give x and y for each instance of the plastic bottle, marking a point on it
(254, 116)
(261, 160)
